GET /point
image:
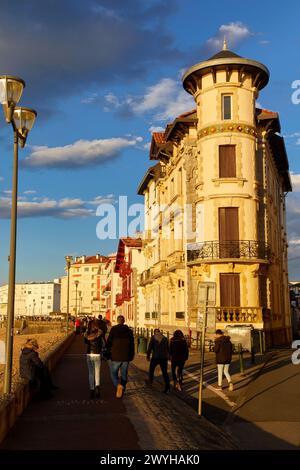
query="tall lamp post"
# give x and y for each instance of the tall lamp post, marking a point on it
(76, 287)
(69, 260)
(22, 120)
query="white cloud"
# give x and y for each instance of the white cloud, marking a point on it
(295, 181)
(29, 191)
(64, 208)
(165, 101)
(291, 136)
(156, 129)
(79, 154)
(258, 105)
(234, 33)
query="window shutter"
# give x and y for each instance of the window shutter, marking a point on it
(227, 161)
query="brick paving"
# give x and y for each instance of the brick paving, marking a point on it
(165, 422)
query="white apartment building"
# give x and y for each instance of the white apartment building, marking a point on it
(87, 283)
(33, 298)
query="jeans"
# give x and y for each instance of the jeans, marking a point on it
(177, 374)
(94, 367)
(223, 368)
(115, 366)
(163, 363)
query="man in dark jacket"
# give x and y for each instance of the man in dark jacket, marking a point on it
(223, 350)
(102, 325)
(33, 369)
(120, 350)
(159, 348)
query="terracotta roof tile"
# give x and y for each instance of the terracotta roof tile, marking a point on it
(159, 137)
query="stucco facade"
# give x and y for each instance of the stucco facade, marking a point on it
(225, 164)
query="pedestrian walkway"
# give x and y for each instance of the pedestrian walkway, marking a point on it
(70, 420)
(144, 419)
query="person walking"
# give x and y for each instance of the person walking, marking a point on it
(34, 370)
(223, 350)
(158, 350)
(120, 351)
(95, 347)
(77, 326)
(102, 325)
(179, 353)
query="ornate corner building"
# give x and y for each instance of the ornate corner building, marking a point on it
(215, 206)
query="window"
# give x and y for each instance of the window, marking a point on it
(86, 269)
(147, 315)
(227, 161)
(226, 106)
(154, 315)
(180, 315)
(180, 283)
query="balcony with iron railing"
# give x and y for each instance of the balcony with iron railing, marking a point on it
(125, 270)
(234, 249)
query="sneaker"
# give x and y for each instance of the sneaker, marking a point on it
(167, 390)
(178, 387)
(217, 387)
(230, 386)
(120, 390)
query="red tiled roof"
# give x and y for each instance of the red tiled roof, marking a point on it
(132, 242)
(91, 260)
(267, 113)
(159, 137)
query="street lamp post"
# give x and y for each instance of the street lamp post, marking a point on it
(22, 120)
(69, 260)
(76, 287)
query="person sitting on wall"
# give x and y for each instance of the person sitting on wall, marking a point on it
(34, 370)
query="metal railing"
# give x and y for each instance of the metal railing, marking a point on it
(234, 249)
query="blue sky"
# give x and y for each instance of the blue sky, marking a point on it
(102, 74)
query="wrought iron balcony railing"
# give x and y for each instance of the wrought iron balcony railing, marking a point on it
(234, 249)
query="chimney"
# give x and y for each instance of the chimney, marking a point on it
(98, 256)
(83, 259)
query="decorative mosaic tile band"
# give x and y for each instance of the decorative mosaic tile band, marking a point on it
(230, 127)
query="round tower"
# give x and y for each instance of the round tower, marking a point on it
(231, 245)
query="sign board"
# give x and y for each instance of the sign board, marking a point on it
(201, 302)
(240, 334)
(201, 293)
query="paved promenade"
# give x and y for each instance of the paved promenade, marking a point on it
(143, 419)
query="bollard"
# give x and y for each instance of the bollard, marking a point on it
(264, 341)
(240, 351)
(261, 350)
(252, 351)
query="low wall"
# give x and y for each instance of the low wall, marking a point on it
(14, 405)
